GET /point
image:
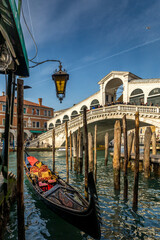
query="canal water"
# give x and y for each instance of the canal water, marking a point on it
(119, 221)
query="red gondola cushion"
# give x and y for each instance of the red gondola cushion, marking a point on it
(32, 160)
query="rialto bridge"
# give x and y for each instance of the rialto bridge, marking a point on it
(104, 118)
(115, 88)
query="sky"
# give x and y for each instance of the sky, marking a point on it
(91, 38)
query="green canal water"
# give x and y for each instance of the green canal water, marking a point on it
(119, 221)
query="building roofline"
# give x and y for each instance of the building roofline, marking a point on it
(119, 73)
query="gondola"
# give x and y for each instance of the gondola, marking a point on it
(63, 199)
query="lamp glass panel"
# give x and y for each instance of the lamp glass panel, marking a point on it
(60, 83)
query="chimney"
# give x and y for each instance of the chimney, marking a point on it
(3, 93)
(40, 101)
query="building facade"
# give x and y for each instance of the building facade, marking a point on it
(36, 116)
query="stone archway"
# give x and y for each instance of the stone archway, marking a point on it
(74, 114)
(154, 97)
(94, 104)
(82, 108)
(51, 126)
(58, 122)
(137, 97)
(65, 118)
(114, 91)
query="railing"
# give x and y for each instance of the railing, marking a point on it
(95, 112)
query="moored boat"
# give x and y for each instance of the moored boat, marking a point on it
(63, 199)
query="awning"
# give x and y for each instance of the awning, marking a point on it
(10, 28)
(34, 131)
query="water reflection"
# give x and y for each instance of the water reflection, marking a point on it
(119, 221)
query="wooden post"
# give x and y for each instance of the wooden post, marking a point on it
(133, 145)
(90, 152)
(124, 122)
(70, 138)
(136, 168)
(106, 147)
(67, 163)
(80, 152)
(53, 148)
(146, 160)
(154, 150)
(130, 141)
(6, 134)
(95, 153)
(74, 149)
(20, 163)
(86, 151)
(116, 155)
(77, 152)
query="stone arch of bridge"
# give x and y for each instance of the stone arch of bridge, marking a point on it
(65, 118)
(51, 125)
(153, 98)
(113, 90)
(74, 114)
(82, 108)
(137, 96)
(58, 122)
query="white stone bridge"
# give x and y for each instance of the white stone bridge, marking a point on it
(105, 118)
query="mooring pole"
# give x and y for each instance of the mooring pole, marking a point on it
(136, 168)
(106, 147)
(90, 152)
(20, 161)
(77, 151)
(5, 151)
(80, 152)
(86, 151)
(70, 139)
(130, 141)
(53, 148)
(154, 150)
(74, 138)
(146, 161)
(95, 153)
(124, 123)
(116, 156)
(67, 164)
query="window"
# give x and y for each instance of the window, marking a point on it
(4, 108)
(45, 125)
(49, 113)
(37, 111)
(45, 112)
(3, 122)
(33, 124)
(32, 110)
(25, 123)
(37, 124)
(24, 110)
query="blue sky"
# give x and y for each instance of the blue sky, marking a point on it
(90, 38)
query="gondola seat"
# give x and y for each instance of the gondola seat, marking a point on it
(43, 186)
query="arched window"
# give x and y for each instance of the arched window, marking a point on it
(74, 114)
(82, 108)
(94, 104)
(65, 118)
(154, 97)
(58, 122)
(51, 125)
(137, 97)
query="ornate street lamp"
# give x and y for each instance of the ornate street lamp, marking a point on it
(60, 78)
